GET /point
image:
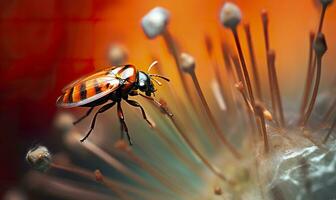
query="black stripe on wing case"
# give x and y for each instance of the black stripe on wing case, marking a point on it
(97, 87)
(83, 91)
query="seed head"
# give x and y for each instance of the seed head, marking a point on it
(39, 158)
(187, 63)
(264, 16)
(117, 54)
(230, 15)
(63, 122)
(326, 2)
(155, 22)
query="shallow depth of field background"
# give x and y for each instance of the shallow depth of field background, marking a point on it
(44, 44)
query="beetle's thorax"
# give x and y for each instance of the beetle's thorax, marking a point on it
(127, 77)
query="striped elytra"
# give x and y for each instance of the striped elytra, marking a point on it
(97, 85)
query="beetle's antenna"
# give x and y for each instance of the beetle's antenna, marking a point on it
(152, 65)
(156, 81)
(159, 76)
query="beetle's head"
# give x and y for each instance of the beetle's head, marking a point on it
(145, 81)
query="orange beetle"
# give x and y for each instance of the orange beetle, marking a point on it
(113, 83)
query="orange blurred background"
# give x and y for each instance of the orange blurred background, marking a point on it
(46, 44)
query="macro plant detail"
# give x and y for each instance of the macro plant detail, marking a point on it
(237, 140)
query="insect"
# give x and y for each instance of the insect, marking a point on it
(111, 84)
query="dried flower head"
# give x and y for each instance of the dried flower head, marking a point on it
(39, 158)
(155, 22)
(230, 15)
(117, 54)
(326, 2)
(63, 122)
(187, 63)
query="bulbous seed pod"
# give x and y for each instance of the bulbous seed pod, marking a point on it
(155, 22)
(230, 15)
(39, 158)
(187, 63)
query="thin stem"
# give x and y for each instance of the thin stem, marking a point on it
(264, 133)
(239, 74)
(184, 158)
(73, 170)
(265, 22)
(197, 153)
(62, 189)
(119, 188)
(259, 112)
(271, 87)
(315, 91)
(319, 30)
(212, 118)
(243, 65)
(276, 88)
(169, 40)
(154, 173)
(190, 145)
(253, 61)
(227, 62)
(264, 17)
(225, 89)
(240, 88)
(329, 112)
(88, 175)
(249, 107)
(330, 131)
(110, 160)
(309, 77)
(320, 26)
(239, 78)
(171, 146)
(113, 185)
(164, 109)
(272, 75)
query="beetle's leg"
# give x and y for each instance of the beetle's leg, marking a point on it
(101, 110)
(122, 122)
(133, 93)
(83, 117)
(121, 128)
(136, 104)
(158, 104)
